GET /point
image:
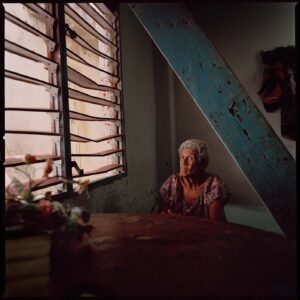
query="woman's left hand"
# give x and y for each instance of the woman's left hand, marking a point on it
(216, 211)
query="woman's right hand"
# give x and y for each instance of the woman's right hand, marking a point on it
(168, 212)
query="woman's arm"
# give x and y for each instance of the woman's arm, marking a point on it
(164, 207)
(165, 193)
(216, 211)
(216, 198)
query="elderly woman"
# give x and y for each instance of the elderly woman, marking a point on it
(194, 192)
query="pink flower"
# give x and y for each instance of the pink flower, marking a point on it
(45, 206)
(48, 168)
(29, 159)
(16, 189)
(83, 186)
(11, 191)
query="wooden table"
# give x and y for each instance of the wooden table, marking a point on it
(27, 266)
(164, 255)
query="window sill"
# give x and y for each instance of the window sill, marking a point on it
(67, 195)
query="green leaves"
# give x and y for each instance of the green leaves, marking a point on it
(45, 215)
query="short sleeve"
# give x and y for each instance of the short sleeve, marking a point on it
(165, 190)
(215, 190)
(168, 193)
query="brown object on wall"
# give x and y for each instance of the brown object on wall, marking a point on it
(289, 107)
(271, 91)
(278, 87)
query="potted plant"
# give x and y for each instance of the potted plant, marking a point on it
(25, 215)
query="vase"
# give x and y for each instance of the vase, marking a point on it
(69, 261)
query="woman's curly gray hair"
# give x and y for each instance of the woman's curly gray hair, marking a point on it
(199, 147)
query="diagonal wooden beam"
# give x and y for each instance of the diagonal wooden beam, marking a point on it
(230, 111)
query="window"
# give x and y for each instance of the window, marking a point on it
(62, 92)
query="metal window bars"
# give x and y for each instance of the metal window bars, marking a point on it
(78, 47)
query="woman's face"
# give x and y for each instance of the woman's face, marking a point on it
(189, 163)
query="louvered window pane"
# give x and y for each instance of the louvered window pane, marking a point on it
(105, 13)
(24, 120)
(25, 66)
(35, 110)
(25, 38)
(19, 144)
(31, 114)
(39, 184)
(43, 5)
(95, 74)
(15, 96)
(25, 14)
(87, 32)
(107, 95)
(100, 111)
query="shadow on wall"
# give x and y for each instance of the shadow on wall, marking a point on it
(163, 121)
(111, 205)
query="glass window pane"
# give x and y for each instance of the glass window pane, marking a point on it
(95, 110)
(24, 38)
(32, 121)
(97, 177)
(25, 66)
(35, 172)
(20, 144)
(91, 57)
(22, 94)
(26, 15)
(89, 38)
(99, 77)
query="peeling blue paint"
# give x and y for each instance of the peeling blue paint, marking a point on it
(230, 111)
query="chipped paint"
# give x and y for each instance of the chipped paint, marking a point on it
(243, 129)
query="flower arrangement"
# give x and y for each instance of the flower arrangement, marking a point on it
(44, 215)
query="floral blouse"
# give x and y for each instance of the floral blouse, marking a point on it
(171, 193)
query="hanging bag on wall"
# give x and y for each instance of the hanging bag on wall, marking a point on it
(271, 91)
(289, 107)
(278, 87)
